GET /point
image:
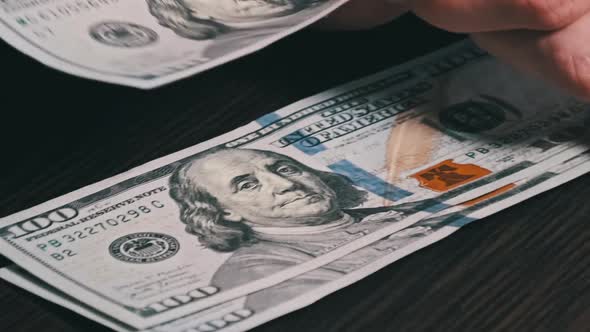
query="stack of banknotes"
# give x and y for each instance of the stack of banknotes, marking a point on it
(270, 217)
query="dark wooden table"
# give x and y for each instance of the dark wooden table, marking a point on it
(524, 269)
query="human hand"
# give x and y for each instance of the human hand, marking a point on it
(543, 37)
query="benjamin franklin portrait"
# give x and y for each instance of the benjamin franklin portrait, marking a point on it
(272, 212)
(207, 19)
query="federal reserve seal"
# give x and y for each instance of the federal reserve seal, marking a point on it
(122, 34)
(144, 247)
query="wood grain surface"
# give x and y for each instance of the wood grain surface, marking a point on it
(524, 269)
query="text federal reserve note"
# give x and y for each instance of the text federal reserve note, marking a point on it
(297, 189)
(148, 43)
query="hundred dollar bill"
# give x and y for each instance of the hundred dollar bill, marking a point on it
(260, 307)
(148, 43)
(297, 189)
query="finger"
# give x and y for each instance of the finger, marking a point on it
(562, 57)
(363, 14)
(492, 15)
